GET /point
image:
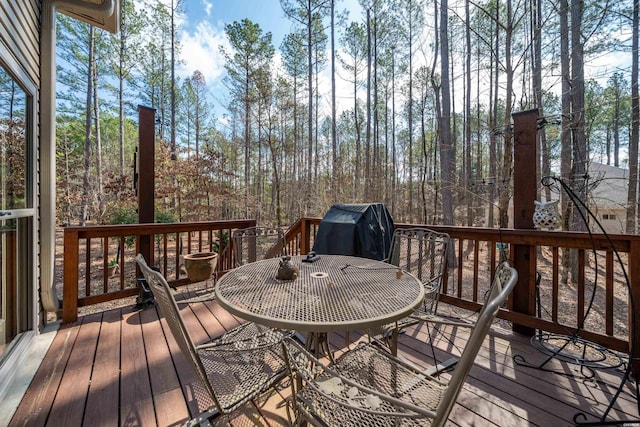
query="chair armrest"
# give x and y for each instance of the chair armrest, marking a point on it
(231, 342)
(439, 320)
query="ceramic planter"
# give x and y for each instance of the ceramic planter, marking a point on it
(200, 265)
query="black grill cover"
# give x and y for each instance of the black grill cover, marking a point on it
(363, 230)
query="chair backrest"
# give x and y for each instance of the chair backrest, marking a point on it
(256, 243)
(170, 311)
(422, 252)
(504, 281)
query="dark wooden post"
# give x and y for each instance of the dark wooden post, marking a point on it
(525, 181)
(146, 176)
(70, 283)
(634, 282)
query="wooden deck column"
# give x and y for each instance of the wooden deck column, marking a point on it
(525, 181)
(634, 282)
(146, 176)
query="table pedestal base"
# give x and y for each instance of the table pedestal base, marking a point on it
(317, 343)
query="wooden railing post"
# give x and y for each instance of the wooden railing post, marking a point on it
(305, 238)
(634, 283)
(146, 177)
(524, 193)
(70, 275)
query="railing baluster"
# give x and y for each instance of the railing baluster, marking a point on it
(476, 262)
(121, 262)
(87, 270)
(555, 290)
(105, 265)
(581, 288)
(609, 293)
(461, 243)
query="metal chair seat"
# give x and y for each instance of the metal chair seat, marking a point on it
(233, 368)
(369, 387)
(423, 252)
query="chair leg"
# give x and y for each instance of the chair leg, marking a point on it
(393, 345)
(202, 420)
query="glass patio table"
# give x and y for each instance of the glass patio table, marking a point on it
(334, 293)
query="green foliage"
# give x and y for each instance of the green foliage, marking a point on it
(165, 218)
(218, 246)
(124, 216)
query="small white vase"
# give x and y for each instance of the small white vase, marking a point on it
(546, 215)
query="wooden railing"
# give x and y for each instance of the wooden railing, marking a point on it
(89, 250)
(551, 305)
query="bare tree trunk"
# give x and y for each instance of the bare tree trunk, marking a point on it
(536, 22)
(356, 119)
(394, 168)
(86, 177)
(447, 163)
(96, 117)
(493, 152)
(247, 145)
(507, 153)
(307, 196)
(577, 112)
(367, 149)
(632, 196)
(121, 95)
(565, 150)
(334, 134)
(467, 119)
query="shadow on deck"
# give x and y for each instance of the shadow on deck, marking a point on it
(121, 367)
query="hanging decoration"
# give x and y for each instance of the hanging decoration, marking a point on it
(546, 215)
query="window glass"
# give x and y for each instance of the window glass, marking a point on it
(13, 146)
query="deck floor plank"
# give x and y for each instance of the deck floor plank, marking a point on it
(158, 387)
(36, 404)
(104, 392)
(169, 402)
(551, 393)
(69, 405)
(135, 388)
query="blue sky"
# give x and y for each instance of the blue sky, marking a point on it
(267, 13)
(202, 34)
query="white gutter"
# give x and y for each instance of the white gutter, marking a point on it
(47, 145)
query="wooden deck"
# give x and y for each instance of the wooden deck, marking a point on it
(121, 367)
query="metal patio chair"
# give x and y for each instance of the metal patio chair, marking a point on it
(233, 368)
(256, 243)
(369, 387)
(422, 252)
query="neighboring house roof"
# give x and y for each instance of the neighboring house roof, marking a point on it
(608, 186)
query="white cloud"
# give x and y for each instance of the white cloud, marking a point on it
(201, 51)
(208, 7)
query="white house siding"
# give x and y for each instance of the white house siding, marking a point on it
(20, 39)
(20, 32)
(609, 187)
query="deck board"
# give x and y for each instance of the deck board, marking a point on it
(104, 393)
(170, 405)
(136, 400)
(36, 404)
(126, 368)
(69, 403)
